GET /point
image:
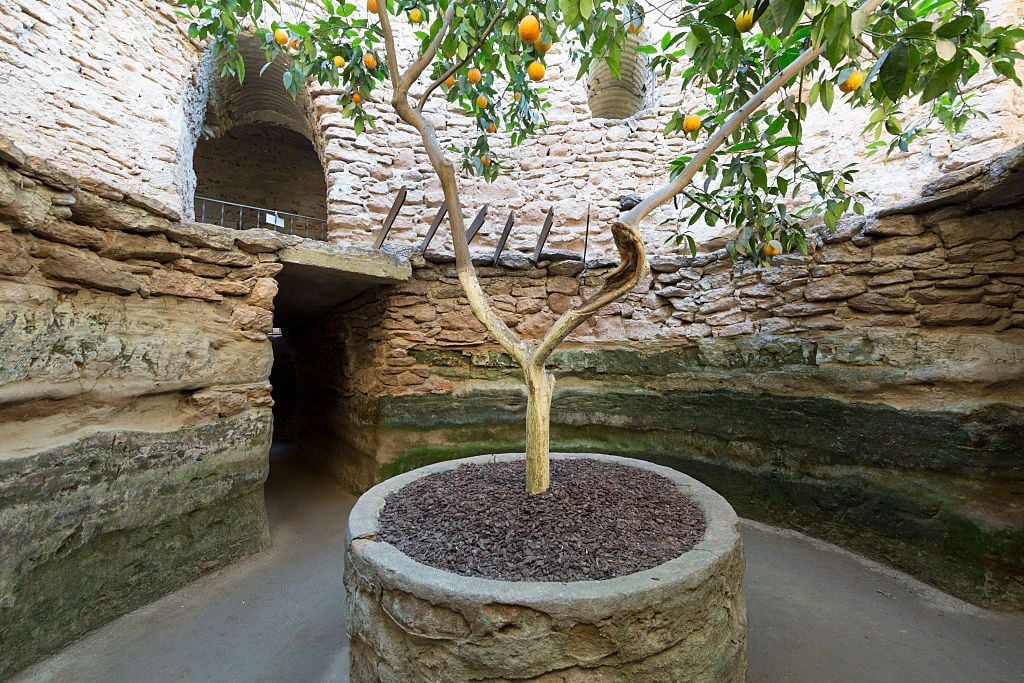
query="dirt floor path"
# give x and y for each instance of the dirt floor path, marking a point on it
(817, 614)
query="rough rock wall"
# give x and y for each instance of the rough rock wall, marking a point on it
(107, 88)
(134, 404)
(869, 393)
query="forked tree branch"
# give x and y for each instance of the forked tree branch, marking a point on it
(634, 216)
(631, 270)
(626, 232)
(465, 60)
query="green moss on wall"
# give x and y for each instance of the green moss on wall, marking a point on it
(885, 482)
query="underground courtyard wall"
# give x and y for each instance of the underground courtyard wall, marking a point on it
(135, 411)
(870, 393)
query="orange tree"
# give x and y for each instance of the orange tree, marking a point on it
(763, 65)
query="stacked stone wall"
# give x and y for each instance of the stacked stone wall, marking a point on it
(580, 165)
(135, 412)
(122, 92)
(109, 89)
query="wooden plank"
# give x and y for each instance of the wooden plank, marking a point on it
(392, 215)
(433, 227)
(543, 235)
(586, 238)
(477, 224)
(504, 236)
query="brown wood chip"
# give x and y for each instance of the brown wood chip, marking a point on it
(597, 521)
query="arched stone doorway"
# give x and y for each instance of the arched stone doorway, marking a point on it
(256, 162)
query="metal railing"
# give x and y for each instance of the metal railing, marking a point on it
(243, 217)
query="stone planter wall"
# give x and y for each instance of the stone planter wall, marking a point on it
(681, 621)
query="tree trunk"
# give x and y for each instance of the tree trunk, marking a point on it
(540, 385)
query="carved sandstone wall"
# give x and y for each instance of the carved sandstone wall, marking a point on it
(134, 404)
(869, 393)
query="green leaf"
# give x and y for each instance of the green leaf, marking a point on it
(1005, 68)
(953, 28)
(775, 126)
(827, 94)
(922, 29)
(895, 72)
(739, 147)
(906, 14)
(786, 14)
(570, 11)
(586, 8)
(857, 23)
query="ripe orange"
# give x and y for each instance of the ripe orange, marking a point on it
(474, 76)
(450, 81)
(339, 61)
(535, 71)
(415, 15)
(529, 29)
(769, 250)
(691, 123)
(492, 128)
(371, 5)
(486, 161)
(357, 98)
(853, 81)
(541, 46)
(481, 101)
(281, 36)
(745, 21)
(293, 44)
(370, 61)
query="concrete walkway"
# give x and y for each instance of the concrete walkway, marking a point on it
(817, 614)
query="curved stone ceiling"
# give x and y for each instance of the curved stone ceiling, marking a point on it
(261, 98)
(619, 98)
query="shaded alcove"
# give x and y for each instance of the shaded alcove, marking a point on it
(260, 165)
(257, 164)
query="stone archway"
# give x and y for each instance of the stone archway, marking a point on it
(256, 160)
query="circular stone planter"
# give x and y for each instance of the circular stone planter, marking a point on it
(683, 620)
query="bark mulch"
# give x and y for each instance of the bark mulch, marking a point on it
(597, 521)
